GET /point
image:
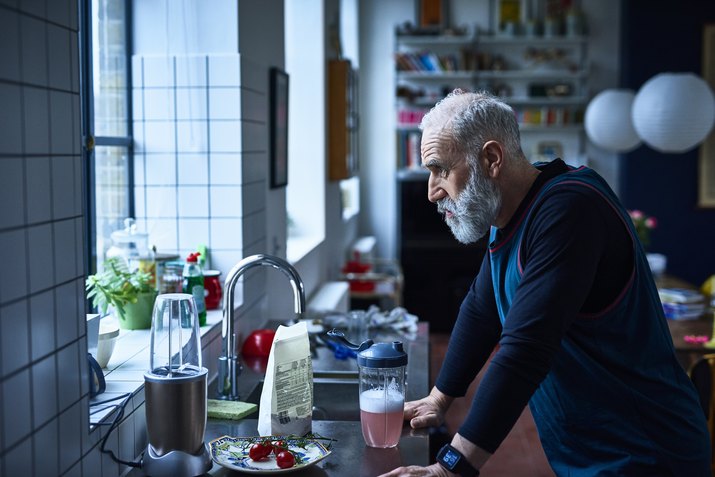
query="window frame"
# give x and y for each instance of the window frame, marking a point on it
(89, 140)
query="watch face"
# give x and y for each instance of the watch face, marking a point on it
(450, 458)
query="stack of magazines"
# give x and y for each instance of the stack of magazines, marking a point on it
(682, 303)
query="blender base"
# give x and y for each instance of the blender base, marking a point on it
(176, 463)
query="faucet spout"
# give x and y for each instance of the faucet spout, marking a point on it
(228, 366)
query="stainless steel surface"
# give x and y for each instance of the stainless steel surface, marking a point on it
(350, 457)
(175, 412)
(228, 366)
(333, 400)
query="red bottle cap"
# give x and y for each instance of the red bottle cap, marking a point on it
(193, 257)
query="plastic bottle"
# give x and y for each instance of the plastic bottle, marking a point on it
(194, 284)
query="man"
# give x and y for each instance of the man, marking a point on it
(566, 292)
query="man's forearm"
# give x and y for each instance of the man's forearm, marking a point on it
(474, 454)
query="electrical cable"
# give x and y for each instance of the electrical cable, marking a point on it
(115, 422)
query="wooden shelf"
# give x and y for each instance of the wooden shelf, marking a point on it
(435, 75)
(537, 41)
(436, 40)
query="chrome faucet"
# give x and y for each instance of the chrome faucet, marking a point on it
(228, 365)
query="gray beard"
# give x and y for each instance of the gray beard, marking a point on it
(474, 211)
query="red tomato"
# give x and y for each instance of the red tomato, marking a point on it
(279, 446)
(285, 459)
(259, 451)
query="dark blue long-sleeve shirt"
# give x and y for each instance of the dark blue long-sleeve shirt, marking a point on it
(561, 317)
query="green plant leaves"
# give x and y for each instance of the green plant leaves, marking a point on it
(117, 286)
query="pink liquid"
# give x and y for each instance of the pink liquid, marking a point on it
(381, 416)
(381, 429)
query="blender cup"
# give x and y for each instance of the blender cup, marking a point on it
(175, 391)
(382, 389)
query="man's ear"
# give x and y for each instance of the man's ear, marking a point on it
(493, 158)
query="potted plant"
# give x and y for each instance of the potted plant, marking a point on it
(130, 294)
(644, 224)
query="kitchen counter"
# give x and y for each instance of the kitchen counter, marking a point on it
(350, 456)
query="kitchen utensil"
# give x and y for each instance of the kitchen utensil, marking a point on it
(381, 369)
(108, 334)
(175, 391)
(97, 384)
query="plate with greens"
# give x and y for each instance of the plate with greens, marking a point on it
(267, 454)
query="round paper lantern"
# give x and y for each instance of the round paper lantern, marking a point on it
(674, 112)
(608, 121)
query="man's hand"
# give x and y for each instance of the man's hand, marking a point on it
(428, 411)
(434, 470)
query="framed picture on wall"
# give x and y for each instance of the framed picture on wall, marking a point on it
(279, 127)
(432, 15)
(706, 179)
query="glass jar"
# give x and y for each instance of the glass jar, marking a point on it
(172, 280)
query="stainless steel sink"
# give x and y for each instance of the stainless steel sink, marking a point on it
(333, 399)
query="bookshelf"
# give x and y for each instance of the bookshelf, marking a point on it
(545, 80)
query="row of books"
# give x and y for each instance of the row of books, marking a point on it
(410, 116)
(681, 303)
(408, 150)
(427, 61)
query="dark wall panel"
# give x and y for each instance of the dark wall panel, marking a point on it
(666, 36)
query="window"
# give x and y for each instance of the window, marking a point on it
(305, 63)
(108, 109)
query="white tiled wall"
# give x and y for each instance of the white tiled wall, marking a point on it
(182, 148)
(43, 399)
(195, 119)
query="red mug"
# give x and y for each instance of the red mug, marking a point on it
(212, 289)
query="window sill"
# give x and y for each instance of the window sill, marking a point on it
(130, 360)
(299, 247)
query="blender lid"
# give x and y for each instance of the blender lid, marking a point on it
(383, 355)
(185, 373)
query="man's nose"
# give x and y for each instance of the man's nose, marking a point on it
(434, 192)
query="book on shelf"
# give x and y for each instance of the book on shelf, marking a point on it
(680, 295)
(683, 311)
(408, 150)
(426, 61)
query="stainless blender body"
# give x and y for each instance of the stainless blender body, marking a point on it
(175, 388)
(176, 412)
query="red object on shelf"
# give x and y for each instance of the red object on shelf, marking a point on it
(212, 287)
(357, 267)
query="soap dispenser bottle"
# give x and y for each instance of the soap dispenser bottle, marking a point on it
(194, 284)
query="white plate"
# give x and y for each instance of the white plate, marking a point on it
(232, 453)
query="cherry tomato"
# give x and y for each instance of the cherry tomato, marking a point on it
(279, 446)
(259, 451)
(285, 459)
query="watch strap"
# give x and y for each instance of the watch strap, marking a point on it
(454, 461)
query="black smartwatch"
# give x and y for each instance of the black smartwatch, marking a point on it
(453, 460)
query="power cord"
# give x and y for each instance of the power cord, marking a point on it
(115, 422)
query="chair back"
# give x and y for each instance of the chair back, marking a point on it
(702, 374)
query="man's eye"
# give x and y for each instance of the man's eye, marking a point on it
(443, 173)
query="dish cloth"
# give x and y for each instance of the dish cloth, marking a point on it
(235, 410)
